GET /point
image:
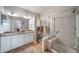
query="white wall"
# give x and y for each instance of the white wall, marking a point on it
(37, 21)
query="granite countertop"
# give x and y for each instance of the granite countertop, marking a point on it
(15, 33)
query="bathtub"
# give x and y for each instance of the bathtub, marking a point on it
(56, 46)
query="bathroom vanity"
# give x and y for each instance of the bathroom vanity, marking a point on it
(19, 32)
(14, 40)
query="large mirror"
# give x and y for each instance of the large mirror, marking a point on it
(13, 24)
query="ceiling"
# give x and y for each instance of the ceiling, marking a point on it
(41, 9)
(36, 9)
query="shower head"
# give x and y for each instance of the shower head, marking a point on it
(75, 11)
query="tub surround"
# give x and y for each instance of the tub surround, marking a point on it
(45, 42)
(56, 46)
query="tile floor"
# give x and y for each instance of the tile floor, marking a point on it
(34, 48)
(30, 48)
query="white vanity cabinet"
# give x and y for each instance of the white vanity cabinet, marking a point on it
(17, 41)
(28, 38)
(14, 41)
(5, 44)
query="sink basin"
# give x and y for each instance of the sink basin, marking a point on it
(7, 32)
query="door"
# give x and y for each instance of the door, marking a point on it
(70, 31)
(77, 31)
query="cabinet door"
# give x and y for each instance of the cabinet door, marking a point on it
(28, 38)
(5, 44)
(17, 41)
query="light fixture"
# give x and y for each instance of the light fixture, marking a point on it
(24, 17)
(9, 13)
(27, 17)
(13, 14)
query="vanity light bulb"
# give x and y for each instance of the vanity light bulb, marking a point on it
(24, 16)
(9, 13)
(27, 17)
